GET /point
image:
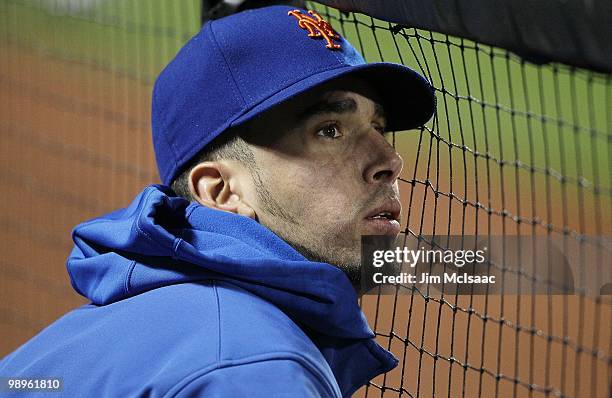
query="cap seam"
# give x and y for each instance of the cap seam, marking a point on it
(174, 158)
(231, 73)
(166, 173)
(180, 159)
(337, 53)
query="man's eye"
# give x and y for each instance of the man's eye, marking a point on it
(330, 131)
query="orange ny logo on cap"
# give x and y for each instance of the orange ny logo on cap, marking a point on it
(317, 27)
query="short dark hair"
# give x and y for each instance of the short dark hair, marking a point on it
(229, 145)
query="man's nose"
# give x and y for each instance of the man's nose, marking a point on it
(384, 164)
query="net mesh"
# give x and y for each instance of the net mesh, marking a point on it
(515, 149)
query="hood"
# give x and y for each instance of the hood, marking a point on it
(162, 239)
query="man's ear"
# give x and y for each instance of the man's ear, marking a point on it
(212, 184)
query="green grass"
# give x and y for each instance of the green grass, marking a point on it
(544, 117)
(135, 37)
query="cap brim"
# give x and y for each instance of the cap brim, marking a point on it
(408, 98)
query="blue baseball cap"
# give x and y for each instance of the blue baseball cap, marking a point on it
(239, 66)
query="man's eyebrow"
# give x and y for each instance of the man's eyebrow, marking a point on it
(347, 105)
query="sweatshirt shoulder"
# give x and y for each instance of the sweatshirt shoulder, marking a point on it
(250, 325)
(261, 351)
(153, 341)
(259, 376)
(233, 334)
(140, 345)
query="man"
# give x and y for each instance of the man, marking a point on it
(272, 126)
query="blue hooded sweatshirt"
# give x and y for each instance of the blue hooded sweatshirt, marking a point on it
(188, 301)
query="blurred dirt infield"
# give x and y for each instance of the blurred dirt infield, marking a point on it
(76, 144)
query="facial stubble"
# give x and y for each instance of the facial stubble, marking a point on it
(320, 247)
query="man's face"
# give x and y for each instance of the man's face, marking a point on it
(326, 174)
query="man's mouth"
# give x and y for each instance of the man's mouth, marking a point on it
(384, 219)
(383, 215)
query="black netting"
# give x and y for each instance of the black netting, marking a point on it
(515, 149)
